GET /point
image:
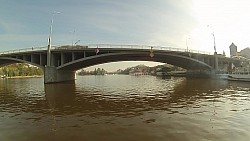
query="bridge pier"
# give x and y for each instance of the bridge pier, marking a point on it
(200, 73)
(216, 62)
(52, 75)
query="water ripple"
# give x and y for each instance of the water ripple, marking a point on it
(208, 107)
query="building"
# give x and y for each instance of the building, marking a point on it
(243, 53)
(233, 50)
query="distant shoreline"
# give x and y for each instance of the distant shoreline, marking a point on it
(20, 77)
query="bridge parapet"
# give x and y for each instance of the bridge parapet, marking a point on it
(93, 46)
(112, 46)
(23, 50)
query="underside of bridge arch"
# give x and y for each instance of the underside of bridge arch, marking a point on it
(173, 59)
(4, 61)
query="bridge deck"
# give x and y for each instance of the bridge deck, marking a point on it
(64, 56)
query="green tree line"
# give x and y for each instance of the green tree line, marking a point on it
(98, 71)
(20, 70)
(151, 70)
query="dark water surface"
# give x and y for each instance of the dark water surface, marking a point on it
(124, 108)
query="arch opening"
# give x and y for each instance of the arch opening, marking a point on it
(9, 60)
(173, 59)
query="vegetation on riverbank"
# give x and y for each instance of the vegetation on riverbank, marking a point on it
(20, 70)
(156, 70)
(140, 69)
(98, 71)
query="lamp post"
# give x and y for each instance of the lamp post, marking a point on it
(215, 53)
(49, 40)
(214, 43)
(77, 41)
(213, 37)
(73, 34)
(187, 42)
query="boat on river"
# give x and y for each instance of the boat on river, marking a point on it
(238, 74)
(239, 77)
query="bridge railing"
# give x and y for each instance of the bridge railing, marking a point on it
(24, 50)
(68, 47)
(146, 47)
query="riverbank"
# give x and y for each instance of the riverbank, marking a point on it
(20, 77)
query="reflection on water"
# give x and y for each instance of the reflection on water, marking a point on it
(124, 107)
(60, 95)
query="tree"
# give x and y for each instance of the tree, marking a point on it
(20, 70)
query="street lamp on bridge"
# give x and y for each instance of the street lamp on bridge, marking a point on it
(215, 53)
(187, 38)
(213, 37)
(49, 40)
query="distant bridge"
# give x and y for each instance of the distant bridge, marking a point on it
(65, 60)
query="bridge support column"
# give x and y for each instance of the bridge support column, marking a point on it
(200, 73)
(52, 75)
(216, 62)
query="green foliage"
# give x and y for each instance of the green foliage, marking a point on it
(164, 69)
(20, 70)
(97, 71)
(151, 70)
(126, 71)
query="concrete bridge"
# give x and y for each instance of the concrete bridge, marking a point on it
(64, 61)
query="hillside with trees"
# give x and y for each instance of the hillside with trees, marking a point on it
(20, 69)
(156, 70)
(98, 71)
(139, 69)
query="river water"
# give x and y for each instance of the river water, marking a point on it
(124, 108)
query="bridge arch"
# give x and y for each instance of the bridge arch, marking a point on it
(4, 61)
(170, 58)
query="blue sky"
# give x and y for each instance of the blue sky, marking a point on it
(172, 23)
(151, 22)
